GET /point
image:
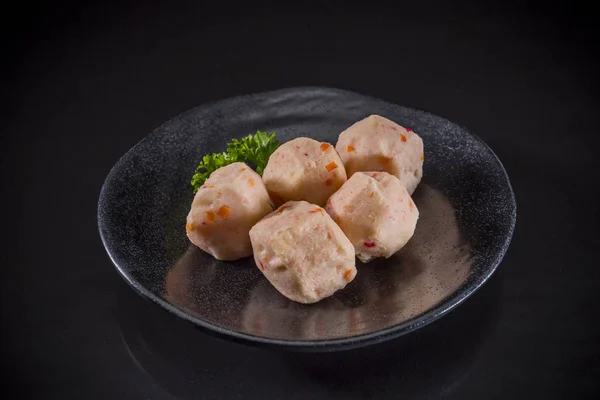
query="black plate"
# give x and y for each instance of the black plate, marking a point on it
(467, 217)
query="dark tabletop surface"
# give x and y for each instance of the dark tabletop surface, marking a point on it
(85, 81)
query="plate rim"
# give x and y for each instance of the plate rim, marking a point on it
(335, 344)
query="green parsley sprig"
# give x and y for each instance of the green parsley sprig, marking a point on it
(254, 149)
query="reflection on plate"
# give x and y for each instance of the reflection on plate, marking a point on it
(429, 363)
(467, 216)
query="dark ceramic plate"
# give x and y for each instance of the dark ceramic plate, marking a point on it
(467, 216)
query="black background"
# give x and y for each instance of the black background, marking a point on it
(84, 81)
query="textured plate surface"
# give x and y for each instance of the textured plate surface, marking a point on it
(467, 217)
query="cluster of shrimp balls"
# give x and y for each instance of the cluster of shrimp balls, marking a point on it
(316, 208)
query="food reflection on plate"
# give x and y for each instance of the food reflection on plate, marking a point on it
(210, 289)
(188, 276)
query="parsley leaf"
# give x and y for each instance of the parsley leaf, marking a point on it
(254, 149)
